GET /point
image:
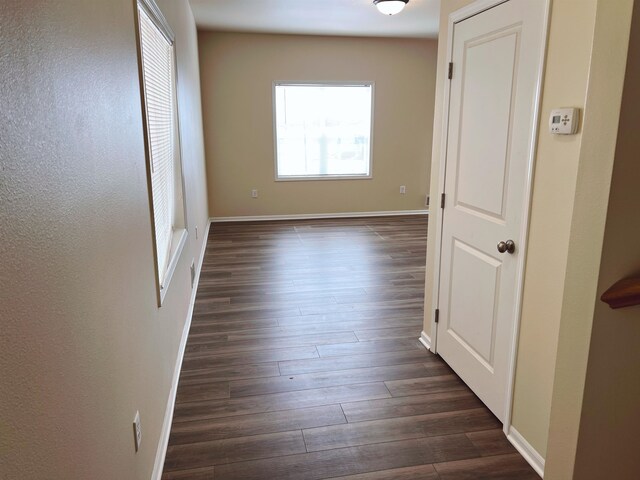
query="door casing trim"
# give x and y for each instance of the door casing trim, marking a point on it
(464, 13)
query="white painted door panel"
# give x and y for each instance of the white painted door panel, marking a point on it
(495, 59)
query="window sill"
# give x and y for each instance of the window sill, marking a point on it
(324, 178)
(178, 242)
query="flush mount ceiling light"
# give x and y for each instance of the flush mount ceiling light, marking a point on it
(390, 7)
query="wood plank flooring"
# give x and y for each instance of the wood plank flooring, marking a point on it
(303, 363)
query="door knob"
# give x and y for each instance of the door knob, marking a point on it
(509, 246)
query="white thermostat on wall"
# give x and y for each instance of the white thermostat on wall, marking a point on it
(564, 121)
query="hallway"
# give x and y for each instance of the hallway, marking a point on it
(303, 363)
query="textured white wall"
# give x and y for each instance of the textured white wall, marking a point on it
(82, 343)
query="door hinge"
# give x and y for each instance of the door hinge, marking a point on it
(437, 315)
(450, 70)
(442, 198)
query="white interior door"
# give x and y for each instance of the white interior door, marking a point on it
(493, 92)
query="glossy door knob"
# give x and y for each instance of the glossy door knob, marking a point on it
(509, 246)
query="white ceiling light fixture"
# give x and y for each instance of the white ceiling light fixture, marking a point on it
(390, 7)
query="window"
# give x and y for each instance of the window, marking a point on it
(158, 78)
(323, 130)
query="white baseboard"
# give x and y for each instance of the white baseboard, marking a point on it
(425, 340)
(312, 216)
(527, 451)
(161, 452)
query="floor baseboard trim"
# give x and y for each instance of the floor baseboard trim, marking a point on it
(529, 453)
(425, 340)
(312, 216)
(163, 443)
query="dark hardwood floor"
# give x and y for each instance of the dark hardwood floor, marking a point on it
(303, 363)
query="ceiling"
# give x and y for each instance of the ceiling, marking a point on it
(317, 17)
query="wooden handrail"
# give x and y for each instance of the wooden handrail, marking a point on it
(624, 293)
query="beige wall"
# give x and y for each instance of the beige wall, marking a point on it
(569, 80)
(607, 442)
(83, 343)
(238, 71)
(606, 77)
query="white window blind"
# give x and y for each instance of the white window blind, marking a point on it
(159, 92)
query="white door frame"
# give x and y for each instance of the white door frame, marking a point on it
(456, 17)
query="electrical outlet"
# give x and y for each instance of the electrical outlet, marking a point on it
(403, 189)
(193, 272)
(254, 193)
(196, 232)
(137, 431)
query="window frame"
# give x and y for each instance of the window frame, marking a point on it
(180, 234)
(334, 83)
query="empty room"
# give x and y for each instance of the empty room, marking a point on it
(341, 239)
